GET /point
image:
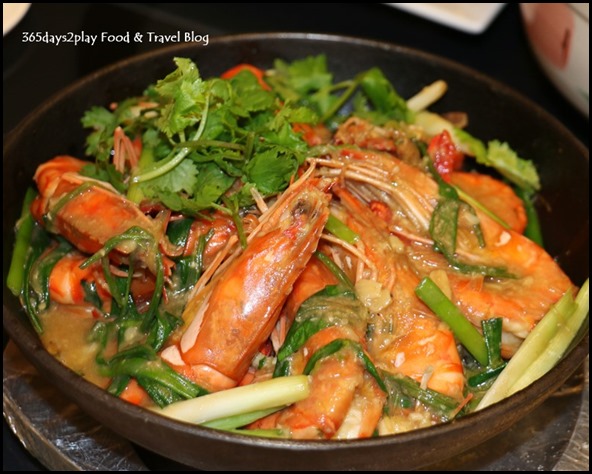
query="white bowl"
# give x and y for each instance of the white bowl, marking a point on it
(559, 36)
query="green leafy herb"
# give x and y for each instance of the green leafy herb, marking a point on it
(334, 305)
(38, 270)
(444, 225)
(148, 246)
(384, 97)
(162, 383)
(296, 80)
(492, 333)
(501, 157)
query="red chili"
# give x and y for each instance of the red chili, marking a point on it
(445, 155)
(313, 135)
(259, 73)
(137, 146)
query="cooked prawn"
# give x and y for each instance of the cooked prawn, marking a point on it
(344, 401)
(407, 337)
(88, 212)
(521, 301)
(411, 196)
(494, 195)
(338, 384)
(359, 132)
(249, 290)
(66, 280)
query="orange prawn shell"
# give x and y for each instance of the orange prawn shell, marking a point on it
(48, 177)
(421, 347)
(495, 195)
(336, 381)
(66, 277)
(89, 218)
(244, 302)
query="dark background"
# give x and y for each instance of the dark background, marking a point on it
(32, 72)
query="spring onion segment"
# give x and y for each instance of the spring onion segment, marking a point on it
(543, 347)
(271, 393)
(445, 309)
(236, 421)
(16, 275)
(427, 96)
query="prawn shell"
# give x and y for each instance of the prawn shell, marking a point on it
(247, 298)
(92, 215)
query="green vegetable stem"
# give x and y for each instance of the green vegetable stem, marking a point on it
(24, 228)
(445, 309)
(543, 347)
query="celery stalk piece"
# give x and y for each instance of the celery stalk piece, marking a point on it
(427, 96)
(542, 348)
(245, 399)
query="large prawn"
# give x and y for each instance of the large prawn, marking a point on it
(406, 337)
(384, 320)
(345, 400)
(408, 196)
(229, 318)
(88, 212)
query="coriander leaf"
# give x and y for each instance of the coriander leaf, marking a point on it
(248, 96)
(211, 184)
(103, 122)
(302, 76)
(186, 72)
(243, 196)
(100, 141)
(155, 146)
(271, 170)
(324, 101)
(178, 203)
(182, 178)
(295, 114)
(184, 97)
(286, 137)
(106, 173)
(221, 124)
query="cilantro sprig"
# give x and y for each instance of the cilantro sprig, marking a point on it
(205, 140)
(200, 138)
